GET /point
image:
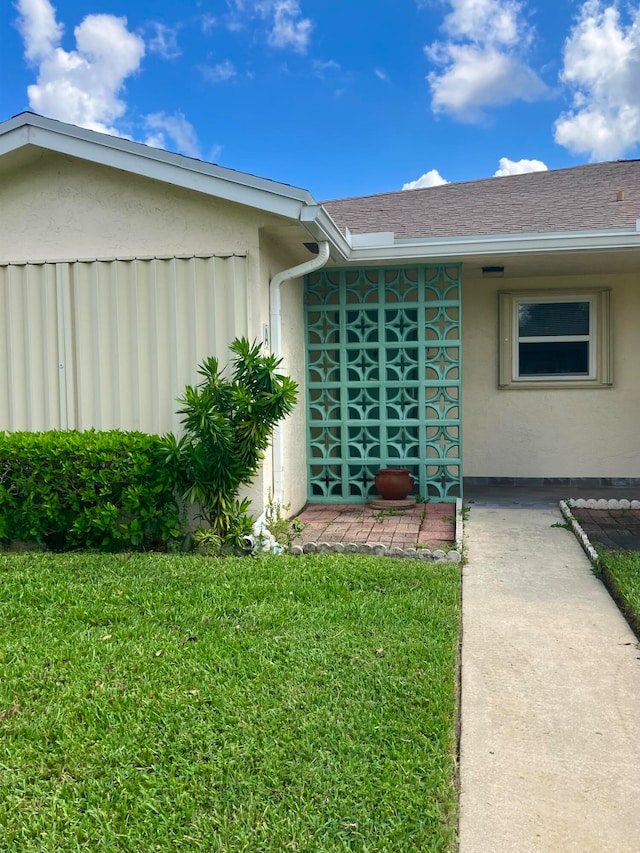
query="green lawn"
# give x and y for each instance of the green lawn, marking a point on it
(621, 574)
(156, 702)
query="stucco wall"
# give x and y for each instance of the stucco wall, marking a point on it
(60, 208)
(549, 433)
(293, 364)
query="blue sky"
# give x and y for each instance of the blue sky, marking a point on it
(341, 97)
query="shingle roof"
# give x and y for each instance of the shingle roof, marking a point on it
(581, 198)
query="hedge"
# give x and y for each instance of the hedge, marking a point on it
(109, 491)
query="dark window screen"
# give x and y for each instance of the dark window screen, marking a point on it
(554, 358)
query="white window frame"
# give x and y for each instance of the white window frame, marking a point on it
(599, 338)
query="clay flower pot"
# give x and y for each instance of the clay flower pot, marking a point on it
(394, 484)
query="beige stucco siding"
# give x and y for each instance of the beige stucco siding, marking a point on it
(549, 433)
(64, 208)
(293, 365)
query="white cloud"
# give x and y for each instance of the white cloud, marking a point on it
(495, 21)
(286, 27)
(164, 40)
(208, 22)
(481, 61)
(322, 67)
(218, 73)
(432, 178)
(289, 28)
(518, 167)
(81, 86)
(602, 68)
(381, 74)
(38, 27)
(477, 77)
(174, 128)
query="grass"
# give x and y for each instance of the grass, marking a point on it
(620, 572)
(157, 702)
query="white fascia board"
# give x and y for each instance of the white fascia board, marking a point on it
(460, 247)
(13, 138)
(322, 227)
(153, 163)
(375, 238)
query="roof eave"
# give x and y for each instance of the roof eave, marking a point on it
(486, 245)
(154, 163)
(321, 226)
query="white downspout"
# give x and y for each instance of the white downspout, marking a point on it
(276, 348)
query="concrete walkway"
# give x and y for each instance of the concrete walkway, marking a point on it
(550, 740)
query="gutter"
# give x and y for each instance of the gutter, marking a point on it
(321, 227)
(364, 247)
(276, 348)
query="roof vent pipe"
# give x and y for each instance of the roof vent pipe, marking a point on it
(276, 348)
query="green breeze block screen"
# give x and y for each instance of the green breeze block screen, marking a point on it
(383, 380)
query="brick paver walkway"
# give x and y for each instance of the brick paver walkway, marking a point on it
(428, 525)
(610, 528)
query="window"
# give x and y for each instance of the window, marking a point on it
(555, 338)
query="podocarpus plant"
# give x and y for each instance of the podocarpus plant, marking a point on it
(227, 426)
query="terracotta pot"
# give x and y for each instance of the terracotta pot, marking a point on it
(394, 484)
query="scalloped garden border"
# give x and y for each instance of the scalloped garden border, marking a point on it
(591, 503)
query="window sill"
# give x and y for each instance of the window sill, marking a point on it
(548, 384)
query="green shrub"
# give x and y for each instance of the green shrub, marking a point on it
(228, 423)
(109, 491)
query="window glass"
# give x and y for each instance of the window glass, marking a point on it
(553, 319)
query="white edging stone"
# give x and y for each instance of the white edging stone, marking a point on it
(377, 549)
(459, 525)
(603, 503)
(581, 536)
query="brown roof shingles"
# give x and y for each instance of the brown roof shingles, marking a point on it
(582, 198)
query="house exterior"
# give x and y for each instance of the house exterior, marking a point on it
(469, 331)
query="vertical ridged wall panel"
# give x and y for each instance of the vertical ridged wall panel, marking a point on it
(383, 380)
(30, 357)
(111, 344)
(141, 327)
